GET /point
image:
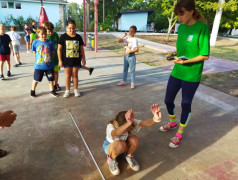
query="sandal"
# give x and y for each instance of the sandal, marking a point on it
(2, 153)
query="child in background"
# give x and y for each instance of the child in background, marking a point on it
(27, 37)
(53, 36)
(70, 54)
(33, 33)
(44, 51)
(119, 139)
(5, 51)
(15, 37)
(129, 58)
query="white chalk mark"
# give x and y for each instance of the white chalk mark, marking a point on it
(85, 143)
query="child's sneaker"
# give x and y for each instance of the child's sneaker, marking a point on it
(53, 93)
(67, 94)
(133, 163)
(132, 86)
(8, 74)
(113, 166)
(27, 52)
(16, 65)
(57, 87)
(175, 141)
(2, 77)
(20, 63)
(122, 83)
(167, 127)
(33, 94)
(91, 71)
(76, 93)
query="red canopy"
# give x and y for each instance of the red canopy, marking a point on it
(43, 16)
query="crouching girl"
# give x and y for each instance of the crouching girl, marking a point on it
(119, 139)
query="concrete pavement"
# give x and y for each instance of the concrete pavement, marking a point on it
(44, 144)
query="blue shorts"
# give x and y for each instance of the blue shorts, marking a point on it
(106, 145)
(39, 73)
(27, 38)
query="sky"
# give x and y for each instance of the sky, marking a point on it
(76, 1)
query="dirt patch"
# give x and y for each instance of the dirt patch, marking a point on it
(145, 55)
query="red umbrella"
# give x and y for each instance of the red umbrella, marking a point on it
(43, 16)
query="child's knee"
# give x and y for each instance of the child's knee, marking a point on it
(133, 140)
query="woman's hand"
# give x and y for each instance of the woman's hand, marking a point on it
(178, 61)
(129, 116)
(60, 64)
(156, 112)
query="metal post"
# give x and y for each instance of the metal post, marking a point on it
(96, 25)
(216, 25)
(84, 24)
(103, 12)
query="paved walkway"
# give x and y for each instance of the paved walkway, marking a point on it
(44, 144)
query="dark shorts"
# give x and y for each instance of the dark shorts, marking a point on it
(39, 73)
(27, 38)
(70, 63)
(5, 57)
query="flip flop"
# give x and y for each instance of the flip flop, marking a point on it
(2, 153)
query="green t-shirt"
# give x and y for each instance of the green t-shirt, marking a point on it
(55, 39)
(192, 41)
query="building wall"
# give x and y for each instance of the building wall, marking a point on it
(129, 19)
(32, 9)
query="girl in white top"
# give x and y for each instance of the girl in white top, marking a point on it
(119, 139)
(15, 37)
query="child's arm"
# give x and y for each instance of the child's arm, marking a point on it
(128, 51)
(122, 129)
(59, 52)
(121, 39)
(157, 117)
(11, 48)
(34, 53)
(83, 55)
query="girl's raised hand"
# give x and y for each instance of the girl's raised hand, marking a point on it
(129, 116)
(156, 112)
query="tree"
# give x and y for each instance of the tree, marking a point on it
(76, 13)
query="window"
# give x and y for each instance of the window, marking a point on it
(4, 4)
(18, 5)
(11, 5)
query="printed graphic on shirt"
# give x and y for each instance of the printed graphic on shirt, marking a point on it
(44, 54)
(190, 38)
(72, 49)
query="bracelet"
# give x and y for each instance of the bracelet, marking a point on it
(156, 120)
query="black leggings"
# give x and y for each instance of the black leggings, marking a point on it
(188, 91)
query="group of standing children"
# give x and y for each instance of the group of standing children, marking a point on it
(52, 52)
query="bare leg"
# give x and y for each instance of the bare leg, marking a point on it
(51, 84)
(86, 68)
(116, 148)
(1, 63)
(8, 66)
(75, 77)
(132, 145)
(34, 84)
(28, 46)
(68, 74)
(56, 77)
(17, 58)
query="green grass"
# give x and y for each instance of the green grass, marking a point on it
(225, 53)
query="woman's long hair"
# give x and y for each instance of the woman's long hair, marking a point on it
(188, 5)
(119, 120)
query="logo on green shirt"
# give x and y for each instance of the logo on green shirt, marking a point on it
(190, 38)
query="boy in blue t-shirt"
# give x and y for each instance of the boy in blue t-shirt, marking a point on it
(44, 52)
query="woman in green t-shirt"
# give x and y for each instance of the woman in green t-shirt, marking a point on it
(193, 49)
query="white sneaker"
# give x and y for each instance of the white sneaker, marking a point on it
(27, 51)
(67, 94)
(76, 93)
